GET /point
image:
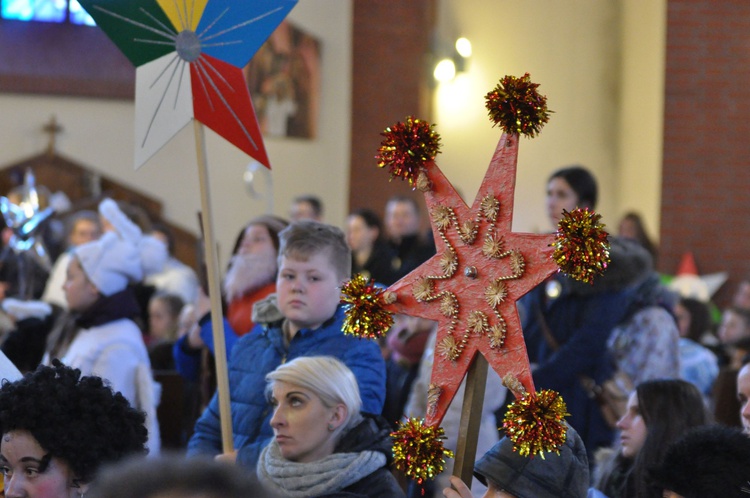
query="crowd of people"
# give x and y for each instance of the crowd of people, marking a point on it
(312, 408)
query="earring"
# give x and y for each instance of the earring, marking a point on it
(330, 427)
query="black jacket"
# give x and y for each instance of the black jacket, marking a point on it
(373, 434)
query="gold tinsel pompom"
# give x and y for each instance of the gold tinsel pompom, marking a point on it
(581, 245)
(535, 423)
(418, 449)
(365, 316)
(407, 147)
(517, 107)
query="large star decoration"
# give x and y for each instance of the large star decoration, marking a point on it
(189, 58)
(471, 285)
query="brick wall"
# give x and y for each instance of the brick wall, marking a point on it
(706, 175)
(390, 43)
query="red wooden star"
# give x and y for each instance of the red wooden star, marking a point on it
(471, 285)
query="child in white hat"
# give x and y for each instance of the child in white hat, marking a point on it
(108, 343)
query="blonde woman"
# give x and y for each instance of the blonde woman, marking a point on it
(323, 445)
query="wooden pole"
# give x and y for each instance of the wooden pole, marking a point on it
(471, 417)
(214, 292)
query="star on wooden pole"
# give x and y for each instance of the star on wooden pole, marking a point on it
(471, 285)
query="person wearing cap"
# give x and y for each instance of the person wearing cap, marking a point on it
(105, 341)
(507, 474)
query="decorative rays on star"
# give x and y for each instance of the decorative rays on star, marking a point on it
(189, 46)
(478, 322)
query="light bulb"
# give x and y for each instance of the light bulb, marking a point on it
(445, 70)
(463, 47)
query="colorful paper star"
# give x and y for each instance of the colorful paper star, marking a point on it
(189, 58)
(471, 285)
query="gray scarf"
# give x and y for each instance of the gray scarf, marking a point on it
(328, 475)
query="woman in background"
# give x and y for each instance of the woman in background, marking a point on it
(658, 412)
(371, 255)
(163, 326)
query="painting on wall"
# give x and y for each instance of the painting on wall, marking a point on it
(284, 82)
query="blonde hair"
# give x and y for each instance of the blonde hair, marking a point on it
(328, 378)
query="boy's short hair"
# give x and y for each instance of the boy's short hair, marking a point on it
(305, 238)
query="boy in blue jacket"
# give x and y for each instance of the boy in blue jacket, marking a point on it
(303, 318)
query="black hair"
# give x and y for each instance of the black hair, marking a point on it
(706, 462)
(315, 203)
(79, 420)
(174, 475)
(700, 318)
(371, 219)
(84, 214)
(581, 181)
(406, 199)
(173, 301)
(164, 229)
(669, 408)
(641, 236)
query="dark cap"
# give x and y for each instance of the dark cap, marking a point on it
(555, 476)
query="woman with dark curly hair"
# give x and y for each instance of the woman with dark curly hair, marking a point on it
(58, 428)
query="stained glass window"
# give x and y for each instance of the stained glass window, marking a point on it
(45, 11)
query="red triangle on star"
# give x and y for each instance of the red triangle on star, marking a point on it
(221, 101)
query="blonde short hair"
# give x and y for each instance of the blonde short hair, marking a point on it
(328, 378)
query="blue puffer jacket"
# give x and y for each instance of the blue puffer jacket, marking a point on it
(260, 352)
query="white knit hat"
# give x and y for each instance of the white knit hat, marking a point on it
(120, 257)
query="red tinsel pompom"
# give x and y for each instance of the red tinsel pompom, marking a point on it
(364, 316)
(418, 449)
(517, 107)
(536, 423)
(581, 245)
(407, 147)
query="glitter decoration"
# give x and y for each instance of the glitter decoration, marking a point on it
(535, 423)
(364, 315)
(418, 449)
(407, 147)
(517, 107)
(581, 245)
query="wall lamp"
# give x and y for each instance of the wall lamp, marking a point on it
(446, 68)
